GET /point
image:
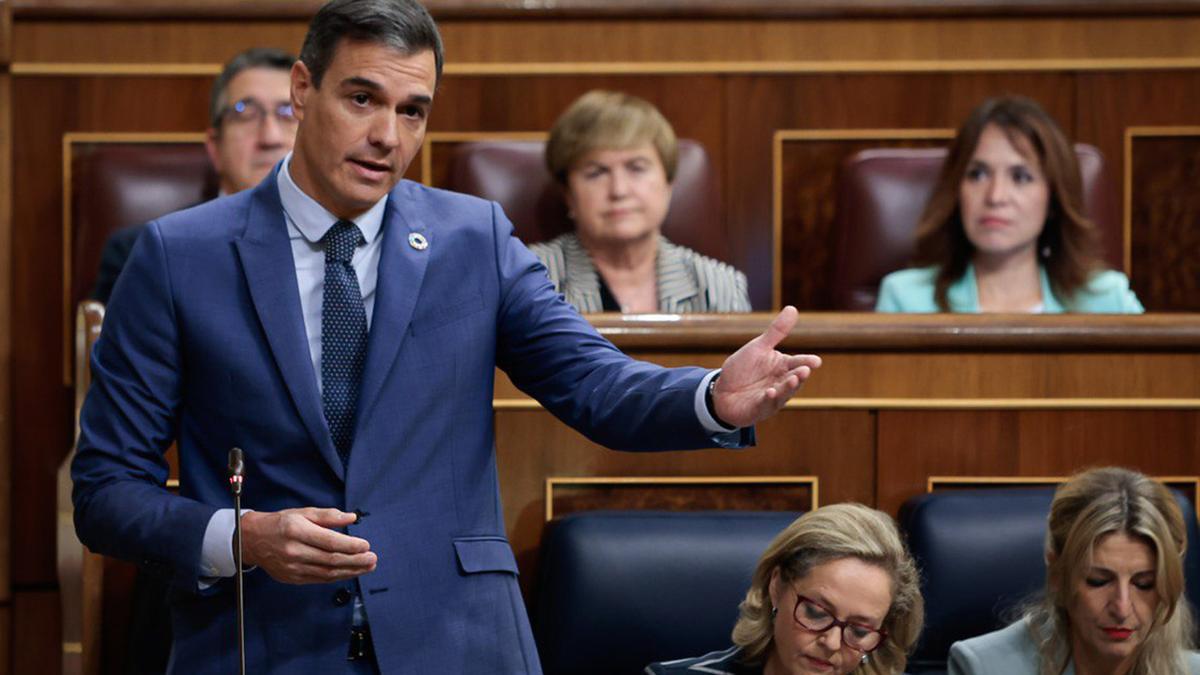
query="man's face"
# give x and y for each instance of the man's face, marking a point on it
(255, 130)
(360, 129)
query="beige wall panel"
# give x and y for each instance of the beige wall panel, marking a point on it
(558, 40)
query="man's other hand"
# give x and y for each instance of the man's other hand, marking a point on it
(757, 380)
(298, 546)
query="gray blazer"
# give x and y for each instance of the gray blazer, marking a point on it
(1011, 651)
(687, 281)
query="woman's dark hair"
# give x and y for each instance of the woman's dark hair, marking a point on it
(1067, 235)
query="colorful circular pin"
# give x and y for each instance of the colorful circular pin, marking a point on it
(418, 241)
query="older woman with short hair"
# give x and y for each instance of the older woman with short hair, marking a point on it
(835, 593)
(1113, 603)
(614, 155)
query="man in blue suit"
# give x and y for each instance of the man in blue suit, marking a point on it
(343, 327)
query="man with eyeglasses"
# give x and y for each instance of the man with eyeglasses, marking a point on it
(251, 129)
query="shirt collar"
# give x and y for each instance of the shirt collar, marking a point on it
(314, 220)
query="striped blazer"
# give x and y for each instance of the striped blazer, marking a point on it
(688, 282)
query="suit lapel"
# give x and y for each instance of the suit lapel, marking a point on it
(401, 270)
(270, 271)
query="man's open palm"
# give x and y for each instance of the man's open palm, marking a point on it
(757, 380)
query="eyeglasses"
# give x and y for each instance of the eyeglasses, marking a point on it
(251, 111)
(815, 618)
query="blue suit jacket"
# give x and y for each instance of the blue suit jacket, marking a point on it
(911, 290)
(204, 344)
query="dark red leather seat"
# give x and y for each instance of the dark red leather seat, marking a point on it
(513, 173)
(114, 185)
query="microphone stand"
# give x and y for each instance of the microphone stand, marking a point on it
(236, 471)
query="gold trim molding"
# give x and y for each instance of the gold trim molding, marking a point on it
(937, 482)
(514, 68)
(944, 404)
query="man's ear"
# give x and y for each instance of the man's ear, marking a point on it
(302, 84)
(211, 137)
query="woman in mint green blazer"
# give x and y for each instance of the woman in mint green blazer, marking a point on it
(1113, 603)
(1004, 230)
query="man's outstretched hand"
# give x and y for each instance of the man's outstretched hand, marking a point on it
(757, 380)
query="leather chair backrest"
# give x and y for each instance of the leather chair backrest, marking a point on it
(621, 589)
(513, 173)
(881, 194)
(980, 553)
(118, 184)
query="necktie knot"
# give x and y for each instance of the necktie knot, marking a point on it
(341, 240)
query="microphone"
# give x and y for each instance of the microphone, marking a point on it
(237, 468)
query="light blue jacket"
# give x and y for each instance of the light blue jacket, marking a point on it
(911, 290)
(1011, 651)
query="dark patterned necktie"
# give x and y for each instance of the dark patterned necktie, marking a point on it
(343, 335)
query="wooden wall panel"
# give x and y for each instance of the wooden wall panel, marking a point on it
(35, 632)
(668, 493)
(914, 445)
(209, 43)
(1110, 104)
(1164, 214)
(6, 354)
(732, 85)
(562, 40)
(44, 431)
(835, 446)
(940, 378)
(6, 639)
(6, 336)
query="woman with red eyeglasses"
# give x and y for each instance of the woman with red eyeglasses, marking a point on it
(836, 592)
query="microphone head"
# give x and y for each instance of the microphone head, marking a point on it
(236, 464)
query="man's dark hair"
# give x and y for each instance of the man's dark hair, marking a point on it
(258, 57)
(403, 25)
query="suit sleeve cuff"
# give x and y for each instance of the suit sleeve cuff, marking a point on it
(216, 553)
(720, 435)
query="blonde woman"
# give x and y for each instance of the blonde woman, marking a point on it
(1114, 601)
(836, 592)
